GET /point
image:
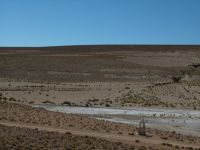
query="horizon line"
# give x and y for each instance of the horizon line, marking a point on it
(75, 45)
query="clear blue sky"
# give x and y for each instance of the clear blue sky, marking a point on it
(74, 22)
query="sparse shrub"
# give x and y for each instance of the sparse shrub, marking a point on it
(137, 141)
(142, 148)
(177, 147)
(67, 103)
(48, 102)
(119, 132)
(176, 79)
(12, 99)
(195, 65)
(68, 133)
(107, 105)
(164, 138)
(31, 102)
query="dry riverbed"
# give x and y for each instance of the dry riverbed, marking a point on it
(182, 121)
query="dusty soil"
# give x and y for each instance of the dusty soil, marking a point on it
(103, 76)
(90, 140)
(97, 63)
(25, 138)
(25, 116)
(95, 76)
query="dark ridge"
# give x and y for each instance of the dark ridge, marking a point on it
(91, 48)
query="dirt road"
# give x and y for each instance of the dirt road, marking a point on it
(117, 138)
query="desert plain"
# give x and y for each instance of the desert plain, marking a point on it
(111, 78)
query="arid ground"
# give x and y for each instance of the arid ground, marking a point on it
(162, 77)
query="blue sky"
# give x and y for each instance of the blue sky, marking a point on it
(75, 22)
